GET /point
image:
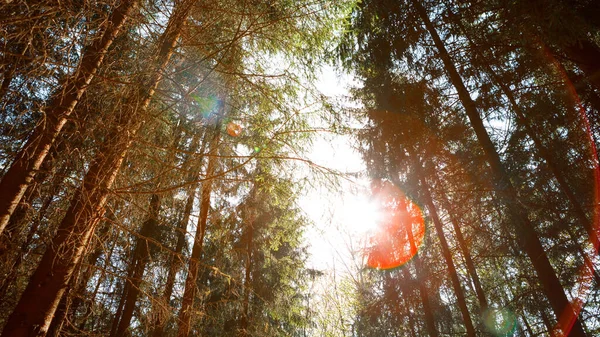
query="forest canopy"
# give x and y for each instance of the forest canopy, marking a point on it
(155, 155)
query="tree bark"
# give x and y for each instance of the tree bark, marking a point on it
(527, 237)
(80, 292)
(15, 224)
(458, 291)
(174, 266)
(38, 303)
(245, 319)
(141, 256)
(189, 293)
(30, 158)
(163, 313)
(464, 247)
(423, 294)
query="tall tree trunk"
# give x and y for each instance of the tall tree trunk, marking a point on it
(24, 249)
(464, 247)
(189, 293)
(161, 310)
(245, 319)
(18, 220)
(30, 158)
(447, 254)
(163, 314)
(423, 291)
(76, 286)
(90, 302)
(68, 313)
(527, 326)
(528, 239)
(424, 296)
(41, 297)
(542, 150)
(141, 256)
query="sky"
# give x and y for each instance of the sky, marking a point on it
(342, 216)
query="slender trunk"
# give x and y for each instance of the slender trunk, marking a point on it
(80, 291)
(423, 292)
(6, 80)
(185, 313)
(245, 319)
(174, 266)
(11, 251)
(10, 238)
(458, 291)
(411, 321)
(72, 329)
(18, 220)
(528, 238)
(65, 305)
(30, 158)
(548, 324)
(424, 295)
(141, 256)
(58, 320)
(39, 301)
(527, 326)
(464, 247)
(162, 311)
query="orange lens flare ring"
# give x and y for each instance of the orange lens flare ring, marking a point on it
(400, 232)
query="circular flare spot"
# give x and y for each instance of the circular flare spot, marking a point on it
(234, 129)
(400, 231)
(500, 322)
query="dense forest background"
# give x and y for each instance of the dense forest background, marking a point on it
(153, 155)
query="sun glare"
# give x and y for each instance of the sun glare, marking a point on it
(360, 215)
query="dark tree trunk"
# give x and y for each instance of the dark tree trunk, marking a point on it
(528, 238)
(141, 256)
(245, 319)
(192, 167)
(80, 291)
(30, 158)
(189, 292)
(424, 296)
(458, 291)
(464, 247)
(527, 326)
(162, 311)
(90, 302)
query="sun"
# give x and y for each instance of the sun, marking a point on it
(360, 215)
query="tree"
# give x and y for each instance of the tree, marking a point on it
(30, 158)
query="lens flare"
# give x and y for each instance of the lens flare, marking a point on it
(500, 322)
(400, 232)
(234, 129)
